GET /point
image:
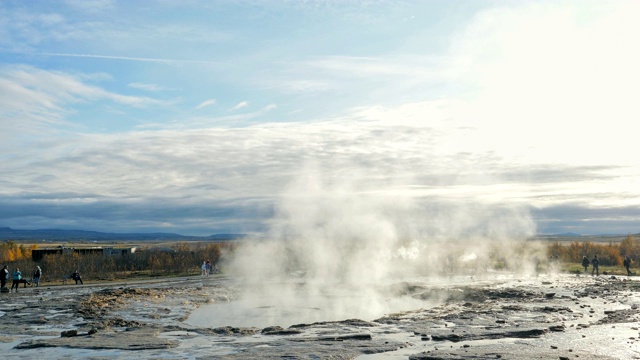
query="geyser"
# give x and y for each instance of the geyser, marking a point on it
(335, 247)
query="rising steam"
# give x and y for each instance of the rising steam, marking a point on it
(335, 231)
(332, 234)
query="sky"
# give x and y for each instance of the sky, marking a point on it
(204, 117)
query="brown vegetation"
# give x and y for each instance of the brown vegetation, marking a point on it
(611, 254)
(10, 251)
(178, 259)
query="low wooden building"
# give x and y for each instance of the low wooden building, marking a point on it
(38, 254)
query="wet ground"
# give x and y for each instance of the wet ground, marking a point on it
(502, 316)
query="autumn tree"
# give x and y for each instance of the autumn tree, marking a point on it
(630, 247)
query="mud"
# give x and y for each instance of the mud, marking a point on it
(501, 316)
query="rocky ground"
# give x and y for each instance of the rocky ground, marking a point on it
(507, 317)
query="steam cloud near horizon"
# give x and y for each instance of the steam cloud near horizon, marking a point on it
(336, 234)
(339, 247)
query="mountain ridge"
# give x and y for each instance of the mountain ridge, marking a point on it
(7, 233)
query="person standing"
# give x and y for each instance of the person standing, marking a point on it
(585, 263)
(17, 275)
(595, 262)
(203, 273)
(4, 276)
(37, 275)
(627, 264)
(76, 276)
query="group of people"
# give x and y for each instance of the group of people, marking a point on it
(16, 276)
(595, 263)
(208, 268)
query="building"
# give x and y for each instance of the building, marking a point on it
(38, 254)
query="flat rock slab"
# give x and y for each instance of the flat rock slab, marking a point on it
(121, 341)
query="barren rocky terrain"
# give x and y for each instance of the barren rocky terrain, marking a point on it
(499, 316)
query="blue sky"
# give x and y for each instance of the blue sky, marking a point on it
(200, 117)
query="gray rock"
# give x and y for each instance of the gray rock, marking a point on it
(69, 333)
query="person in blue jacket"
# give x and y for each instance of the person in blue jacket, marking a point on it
(17, 275)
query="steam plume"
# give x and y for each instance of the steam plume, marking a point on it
(342, 233)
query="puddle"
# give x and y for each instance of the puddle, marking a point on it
(304, 307)
(285, 304)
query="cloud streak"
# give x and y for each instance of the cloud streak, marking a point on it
(38, 100)
(129, 58)
(240, 105)
(148, 87)
(206, 103)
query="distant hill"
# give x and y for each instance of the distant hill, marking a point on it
(7, 233)
(226, 236)
(567, 234)
(570, 237)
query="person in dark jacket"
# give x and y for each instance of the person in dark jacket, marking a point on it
(37, 275)
(4, 276)
(76, 276)
(627, 264)
(595, 262)
(585, 263)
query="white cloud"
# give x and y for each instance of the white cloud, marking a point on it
(91, 5)
(553, 82)
(129, 58)
(206, 103)
(33, 98)
(396, 158)
(270, 107)
(413, 66)
(379, 78)
(148, 87)
(382, 153)
(240, 105)
(301, 85)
